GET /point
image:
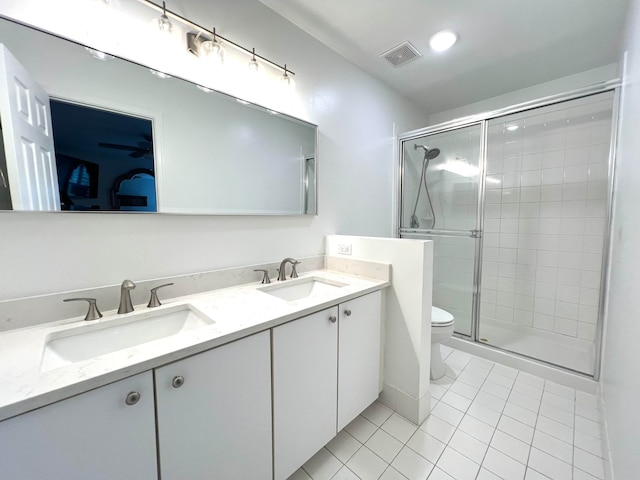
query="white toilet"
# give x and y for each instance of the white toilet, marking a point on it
(441, 330)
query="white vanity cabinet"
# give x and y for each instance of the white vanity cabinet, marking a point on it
(305, 387)
(104, 433)
(358, 356)
(214, 413)
(325, 372)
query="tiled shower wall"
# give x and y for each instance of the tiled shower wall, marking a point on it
(544, 223)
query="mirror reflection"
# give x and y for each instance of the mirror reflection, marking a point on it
(111, 135)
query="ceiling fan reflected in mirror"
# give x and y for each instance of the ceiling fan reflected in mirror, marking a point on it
(144, 147)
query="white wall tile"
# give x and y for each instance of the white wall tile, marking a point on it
(494, 162)
(569, 277)
(531, 178)
(546, 290)
(552, 176)
(546, 274)
(587, 331)
(527, 241)
(509, 211)
(551, 209)
(543, 321)
(509, 225)
(550, 193)
(565, 326)
(523, 317)
(553, 159)
(508, 240)
(524, 302)
(567, 293)
(525, 287)
(530, 210)
(574, 208)
(576, 173)
(555, 141)
(512, 165)
(547, 258)
(570, 260)
(544, 306)
(589, 297)
(572, 226)
(590, 279)
(506, 284)
(549, 242)
(566, 310)
(577, 156)
(530, 194)
(527, 256)
(532, 161)
(574, 191)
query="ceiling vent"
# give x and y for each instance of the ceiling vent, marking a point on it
(401, 54)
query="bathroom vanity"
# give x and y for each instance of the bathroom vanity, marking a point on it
(268, 376)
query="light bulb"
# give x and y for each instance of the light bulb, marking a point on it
(286, 80)
(164, 24)
(211, 50)
(254, 66)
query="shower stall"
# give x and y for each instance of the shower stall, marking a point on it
(517, 203)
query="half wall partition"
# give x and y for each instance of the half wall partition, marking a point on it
(517, 203)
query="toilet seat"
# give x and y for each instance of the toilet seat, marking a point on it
(440, 318)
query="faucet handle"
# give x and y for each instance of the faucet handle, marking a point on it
(294, 274)
(265, 275)
(93, 313)
(154, 301)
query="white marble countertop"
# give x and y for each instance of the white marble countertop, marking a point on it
(236, 311)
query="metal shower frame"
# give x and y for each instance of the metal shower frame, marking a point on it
(482, 121)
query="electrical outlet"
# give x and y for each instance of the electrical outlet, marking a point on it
(344, 249)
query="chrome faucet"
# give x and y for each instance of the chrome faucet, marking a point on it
(282, 275)
(125, 297)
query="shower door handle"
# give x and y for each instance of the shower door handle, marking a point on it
(475, 234)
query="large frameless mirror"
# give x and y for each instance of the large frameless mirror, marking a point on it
(89, 132)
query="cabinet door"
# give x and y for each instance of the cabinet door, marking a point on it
(94, 435)
(304, 389)
(358, 357)
(217, 423)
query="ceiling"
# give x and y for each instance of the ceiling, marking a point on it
(504, 45)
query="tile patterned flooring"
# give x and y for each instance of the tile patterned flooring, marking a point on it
(488, 421)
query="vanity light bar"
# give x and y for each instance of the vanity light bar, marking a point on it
(205, 32)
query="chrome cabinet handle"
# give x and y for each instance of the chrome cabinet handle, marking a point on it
(132, 398)
(333, 319)
(177, 381)
(347, 312)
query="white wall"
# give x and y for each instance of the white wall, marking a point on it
(44, 253)
(407, 313)
(621, 372)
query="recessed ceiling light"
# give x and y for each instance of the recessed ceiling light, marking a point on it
(443, 40)
(512, 128)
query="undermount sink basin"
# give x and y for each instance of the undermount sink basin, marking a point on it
(297, 289)
(89, 341)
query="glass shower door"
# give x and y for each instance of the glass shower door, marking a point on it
(440, 193)
(546, 206)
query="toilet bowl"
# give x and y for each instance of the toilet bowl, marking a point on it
(441, 330)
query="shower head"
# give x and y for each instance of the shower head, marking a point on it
(429, 153)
